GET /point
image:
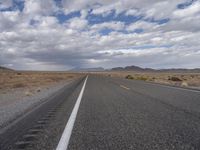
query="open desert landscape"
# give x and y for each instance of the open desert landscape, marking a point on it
(100, 74)
(35, 81)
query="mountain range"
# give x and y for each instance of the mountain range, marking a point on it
(140, 69)
(127, 68)
(87, 69)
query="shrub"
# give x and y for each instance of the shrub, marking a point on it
(129, 77)
(18, 85)
(56, 78)
(174, 79)
(142, 78)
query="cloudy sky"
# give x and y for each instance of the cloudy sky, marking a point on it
(63, 34)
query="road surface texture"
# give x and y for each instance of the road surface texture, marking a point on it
(114, 114)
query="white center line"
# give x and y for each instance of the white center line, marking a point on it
(122, 86)
(64, 140)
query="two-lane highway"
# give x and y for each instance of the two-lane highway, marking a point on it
(126, 114)
(105, 113)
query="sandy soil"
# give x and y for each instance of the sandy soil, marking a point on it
(32, 80)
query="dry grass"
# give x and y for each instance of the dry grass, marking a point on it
(177, 79)
(12, 80)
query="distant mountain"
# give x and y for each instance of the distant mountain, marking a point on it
(118, 69)
(88, 69)
(132, 68)
(140, 69)
(5, 69)
(180, 70)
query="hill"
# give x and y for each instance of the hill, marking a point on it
(88, 69)
(140, 69)
(133, 68)
(5, 69)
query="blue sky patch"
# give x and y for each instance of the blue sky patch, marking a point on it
(63, 18)
(34, 22)
(138, 31)
(186, 4)
(159, 21)
(17, 5)
(58, 3)
(106, 31)
(97, 19)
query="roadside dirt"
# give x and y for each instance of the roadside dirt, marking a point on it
(29, 80)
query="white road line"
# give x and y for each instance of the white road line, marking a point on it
(122, 86)
(64, 140)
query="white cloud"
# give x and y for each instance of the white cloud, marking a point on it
(45, 43)
(142, 25)
(132, 12)
(6, 4)
(104, 11)
(110, 25)
(8, 19)
(38, 7)
(188, 12)
(84, 13)
(77, 23)
(161, 9)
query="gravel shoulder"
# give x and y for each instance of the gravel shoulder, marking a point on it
(16, 102)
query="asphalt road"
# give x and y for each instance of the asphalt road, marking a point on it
(115, 114)
(118, 114)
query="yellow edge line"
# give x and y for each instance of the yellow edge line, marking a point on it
(122, 86)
